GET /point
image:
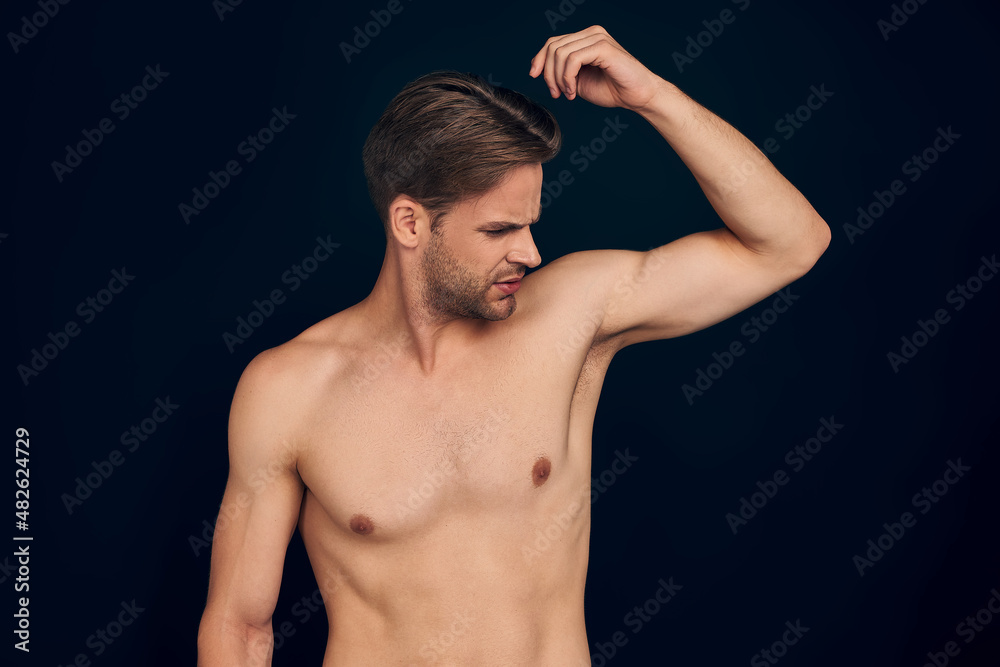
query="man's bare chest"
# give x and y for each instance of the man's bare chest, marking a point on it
(399, 453)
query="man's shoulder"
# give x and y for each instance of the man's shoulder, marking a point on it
(294, 372)
(282, 386)
(577, 280)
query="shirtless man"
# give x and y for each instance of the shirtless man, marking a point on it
(420, 438)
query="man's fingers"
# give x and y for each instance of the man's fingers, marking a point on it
(558, 54)
(549, 71)
(571, 57)
(539, 62)
(545, 61)
(538, 65)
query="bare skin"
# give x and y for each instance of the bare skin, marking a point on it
(422, 438)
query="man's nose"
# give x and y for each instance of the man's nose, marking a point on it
(524, 250)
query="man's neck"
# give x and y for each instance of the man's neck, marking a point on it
(395, 310)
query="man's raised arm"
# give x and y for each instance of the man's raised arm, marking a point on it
(258, 515)
(772, 235)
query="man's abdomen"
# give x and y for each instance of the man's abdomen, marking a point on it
(447, 566)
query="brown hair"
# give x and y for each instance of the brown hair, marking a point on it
(448, 136)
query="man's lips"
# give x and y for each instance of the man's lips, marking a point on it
(509, 286)
(515, 279)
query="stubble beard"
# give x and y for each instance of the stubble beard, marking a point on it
(449, 289)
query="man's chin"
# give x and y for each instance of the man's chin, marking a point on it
(500, 310)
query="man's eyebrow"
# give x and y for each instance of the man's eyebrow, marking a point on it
(507, 224)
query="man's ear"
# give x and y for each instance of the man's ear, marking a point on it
(408, 221)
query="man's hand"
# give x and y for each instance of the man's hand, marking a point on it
(590, 63)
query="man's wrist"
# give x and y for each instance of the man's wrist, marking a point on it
(665, 104)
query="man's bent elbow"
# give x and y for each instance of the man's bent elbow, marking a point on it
(230, 644)
(820, 237)
(809, 247)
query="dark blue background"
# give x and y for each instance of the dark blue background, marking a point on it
(665, 517)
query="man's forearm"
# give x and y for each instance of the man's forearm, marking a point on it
(766, 212)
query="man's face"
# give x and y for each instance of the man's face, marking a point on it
(470, 266)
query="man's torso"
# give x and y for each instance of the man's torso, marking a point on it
(447, 516)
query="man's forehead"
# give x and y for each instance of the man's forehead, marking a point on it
(517, 199)
(521, 208)
(517, 213)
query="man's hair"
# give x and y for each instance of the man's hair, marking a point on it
(449, 136)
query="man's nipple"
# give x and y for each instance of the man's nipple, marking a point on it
(362, 525)
(540, 473)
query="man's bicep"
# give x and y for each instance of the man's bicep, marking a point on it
(688, 285)
(260, 505)
(248, 549)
